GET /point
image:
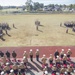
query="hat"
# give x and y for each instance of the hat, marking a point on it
(24, 51)
(7, 64)
(2, 73)
(65, 72)
(24, 57)
(11, 70)
(44, 55)
(37, 49)
(22, 62)
(69, 49)
(45, 66)
(54, 65)
(62, 49)
(64, 54)
(46, 72)
(30, 50)
(57, 56)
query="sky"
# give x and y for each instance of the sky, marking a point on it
(22, 2)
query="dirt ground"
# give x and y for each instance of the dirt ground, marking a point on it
(50, 33)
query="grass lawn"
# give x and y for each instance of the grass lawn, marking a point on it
(50, 34)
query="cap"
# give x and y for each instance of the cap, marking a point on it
(24, 57)
(7, 64)
(54, 65)
(30, 50)
(11, 70)
(62, 49)
(45, 66)
(37, 49)
(2, 73)
(24, 51)
(69, 49)
(22, 62)
(44, 55)
(64, 54)
(46, 72)
(57, 56)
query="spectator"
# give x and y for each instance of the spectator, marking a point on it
(14, 55)
(56, 53)
(8, 55)
(1, 54)
(37, 54)
(31, 55)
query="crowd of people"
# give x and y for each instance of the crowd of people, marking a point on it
(58, 62)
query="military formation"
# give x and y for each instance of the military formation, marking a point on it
(70, 24)
(4, 27)
(58, 62)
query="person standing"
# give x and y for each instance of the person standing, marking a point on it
(44, 59)
(56, 53)
(25, 61)
(15, 68)
(22, 68)
(8, 55)
(4, 60)
(25, 54)
(1, 54)
(7, 69)
(14, 55)
(31, 55)
(37, 54)
(69, 54)
(67, 30)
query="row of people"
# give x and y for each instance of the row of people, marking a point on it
(43, 60)
(14, 54)
(14, 69)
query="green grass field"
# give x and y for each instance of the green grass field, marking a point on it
(27, 35)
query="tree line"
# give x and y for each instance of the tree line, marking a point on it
(36, 6)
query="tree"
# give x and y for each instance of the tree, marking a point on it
(29, 5)
(38, 5)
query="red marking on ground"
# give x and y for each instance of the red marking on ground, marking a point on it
(43, 50)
